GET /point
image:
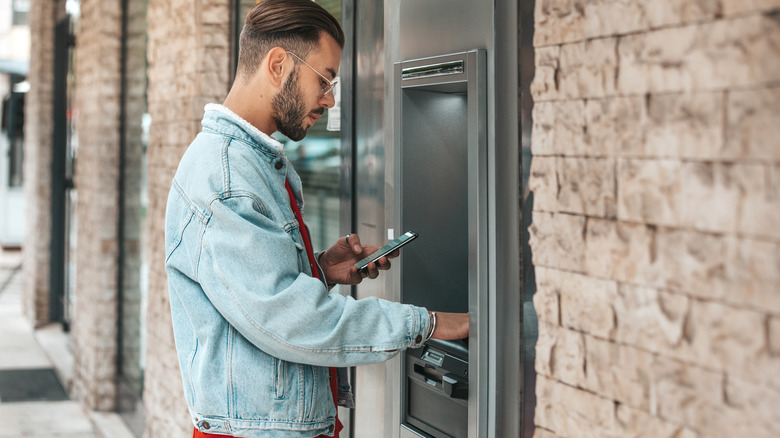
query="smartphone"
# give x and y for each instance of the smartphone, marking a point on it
(387, 249)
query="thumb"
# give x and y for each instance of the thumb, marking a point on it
(353, 241)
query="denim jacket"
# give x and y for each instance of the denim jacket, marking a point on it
(254, 331)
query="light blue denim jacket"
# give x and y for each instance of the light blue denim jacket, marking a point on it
(254, 331)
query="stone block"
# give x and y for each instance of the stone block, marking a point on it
(586, 186)
(546, 298)
(648, 190)
(621, 251)
(588, 69)
(634, 423)
(619, 372)
(743, 272)
(759, 187)
(743, 51)
(724, 338)
(615, 126)
(544, 184)
(568, 411)
(650, 319)
(545, 83)
(754, 408)
(685, 126)
(587, 304)
(558, 21)
(773, 332)
(560, 354)
(752, 131)
(708, 197)
(558, 128)
(733, 7)
(557, 240)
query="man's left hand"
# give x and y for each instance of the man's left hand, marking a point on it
(339, 260)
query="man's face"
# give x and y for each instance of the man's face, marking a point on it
(289, 109)
(301, 102)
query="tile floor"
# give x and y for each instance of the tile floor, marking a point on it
(21, 350)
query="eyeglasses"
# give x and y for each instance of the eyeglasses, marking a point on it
(327, 85)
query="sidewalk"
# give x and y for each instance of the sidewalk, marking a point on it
(33, 402)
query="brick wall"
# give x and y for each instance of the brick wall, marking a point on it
(656, 175)
(188, 53)
(37, 159)
(97, 97)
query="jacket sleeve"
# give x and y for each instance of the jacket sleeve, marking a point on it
(250, 269)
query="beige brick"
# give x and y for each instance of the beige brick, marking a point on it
(567, 411)
(650, 319)
(759, 187)
(587, 304)
(685, 126)
(544, 433)
(559, 128)
(773, 332)
(557, 240)
(545, 83)
(615, 126)
(743, 272)
(724, 338)
(560, 354)
(544, 184)
(546, 298)
(586, 186)
(612, 17)
(754, 408)
(752, 130)
(621, 251)
(726, 53)
(634, 423)
(732, 7)
(708, 196)
(686, 394)
(648, 191)
(558, 21)
(588, 69)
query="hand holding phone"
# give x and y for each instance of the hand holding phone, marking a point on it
(385, 250)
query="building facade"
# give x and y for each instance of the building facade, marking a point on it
(652, 195)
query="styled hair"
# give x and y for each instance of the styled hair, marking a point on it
(294, 25)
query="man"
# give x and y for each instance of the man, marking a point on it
(255, 326)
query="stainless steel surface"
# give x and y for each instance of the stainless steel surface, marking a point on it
(432, 70)
(441, 159)
(392, 31)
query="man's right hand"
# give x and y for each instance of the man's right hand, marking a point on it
(451, 326)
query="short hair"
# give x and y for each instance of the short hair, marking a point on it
(294, 25)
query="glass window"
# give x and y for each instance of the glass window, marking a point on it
(20, 10)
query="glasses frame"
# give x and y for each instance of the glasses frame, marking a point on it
(331, 84)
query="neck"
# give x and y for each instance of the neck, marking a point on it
(251, 104)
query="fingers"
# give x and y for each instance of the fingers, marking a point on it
(353, 241)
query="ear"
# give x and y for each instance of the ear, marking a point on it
(278, 66)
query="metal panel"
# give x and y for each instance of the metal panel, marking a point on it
(442, 189)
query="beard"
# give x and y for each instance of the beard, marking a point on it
(289, 110)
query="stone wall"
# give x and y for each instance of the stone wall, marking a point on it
(96, 179)
(188, 54)
(656, 174)
(37, 159)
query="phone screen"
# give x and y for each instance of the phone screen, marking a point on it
(387, 249)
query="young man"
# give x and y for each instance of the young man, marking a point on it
(256, 329)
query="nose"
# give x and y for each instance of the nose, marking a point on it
(328, 100)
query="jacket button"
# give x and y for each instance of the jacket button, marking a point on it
(418, 339)
(279, 165)
(206, 425)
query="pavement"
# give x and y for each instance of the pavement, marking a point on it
(36, 368)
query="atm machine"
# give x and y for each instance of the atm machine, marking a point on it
(453, 98)
(441, 193)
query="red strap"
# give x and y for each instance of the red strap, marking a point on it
(316, 274)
